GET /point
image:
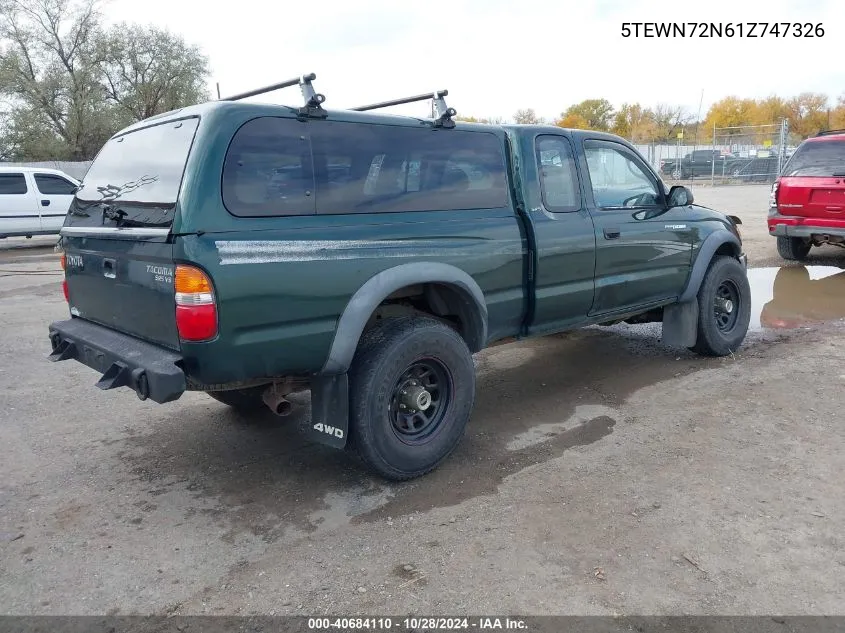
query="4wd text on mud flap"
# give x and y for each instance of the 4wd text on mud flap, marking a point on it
(329, 430)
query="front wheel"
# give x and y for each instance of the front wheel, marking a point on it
(724, 308)
(794, 248)
(412, 389)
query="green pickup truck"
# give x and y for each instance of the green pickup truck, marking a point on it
(252, 251)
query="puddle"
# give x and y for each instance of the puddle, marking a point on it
(535, 401)
(543, 432)
(796, 296)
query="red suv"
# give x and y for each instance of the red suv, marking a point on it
(807, 203)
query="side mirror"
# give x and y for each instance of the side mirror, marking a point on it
(680, 196)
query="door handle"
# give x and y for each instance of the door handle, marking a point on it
(611, 233)
(45, 203)
(108, 268)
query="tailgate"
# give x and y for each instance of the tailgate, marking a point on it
(116, 237)
(123, 284)
(809, 196)
(813, 180)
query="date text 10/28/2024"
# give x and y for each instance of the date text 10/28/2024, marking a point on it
(722, 29)
(417, 623)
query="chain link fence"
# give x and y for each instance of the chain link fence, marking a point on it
(731, 155)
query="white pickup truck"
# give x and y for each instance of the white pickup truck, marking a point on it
(33, 200)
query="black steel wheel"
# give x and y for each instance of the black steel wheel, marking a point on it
(411, 392)
(724, 308)
(725, 305)
(420, 400)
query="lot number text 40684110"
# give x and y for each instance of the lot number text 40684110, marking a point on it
(417, 623)
(722, 29)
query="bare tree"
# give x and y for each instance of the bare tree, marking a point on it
(527, 116)
(67, 84)
(148, 71)
(47, 71)
(668, 120)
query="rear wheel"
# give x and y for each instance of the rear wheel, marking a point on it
(240, 399)
(412, 389)
(724, 308)
(794, 248)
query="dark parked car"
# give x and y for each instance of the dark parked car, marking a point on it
(701, 162)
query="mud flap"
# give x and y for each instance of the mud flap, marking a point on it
(330, 410)
(680, 324)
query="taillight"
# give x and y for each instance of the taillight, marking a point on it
(196, 312)
(63, 262)
(773, 196)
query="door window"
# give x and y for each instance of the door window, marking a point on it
(617, 179)
(558, 180)
(12, 184)
(51, 185)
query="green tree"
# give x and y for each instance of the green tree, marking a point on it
(596, 112)
(48, 74)
(731, 112)
(70, 84)
(808, 113)
(635, 123)
(573, 121)
(146, 71)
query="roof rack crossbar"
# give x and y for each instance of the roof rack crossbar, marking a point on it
(442, 114)
(826, 132)
(313, 100)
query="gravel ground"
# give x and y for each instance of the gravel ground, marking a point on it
(601, 474)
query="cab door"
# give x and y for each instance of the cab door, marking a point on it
(18, 212)
(643, 251)
(564, 235)
(54, 195)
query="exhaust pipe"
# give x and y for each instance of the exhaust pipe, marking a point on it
(276, 401)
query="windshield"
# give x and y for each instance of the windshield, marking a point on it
(818, 158)
(135, 179)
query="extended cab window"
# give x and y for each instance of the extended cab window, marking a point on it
(387, 169)
(268, 169)
(51, 185)
(617, 178)
(12, 184)
(558, 179)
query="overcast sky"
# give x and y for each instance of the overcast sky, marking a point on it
(495, 56)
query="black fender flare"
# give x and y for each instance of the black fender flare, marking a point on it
(680, 320)
(708, 248)
(366, 299)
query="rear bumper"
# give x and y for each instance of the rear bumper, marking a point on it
(125, 361)
(790, 226)
(803, 230)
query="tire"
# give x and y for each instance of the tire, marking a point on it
(678, 174)
(245, 400)
(722, 326)
(793, 248)
(393, 438)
